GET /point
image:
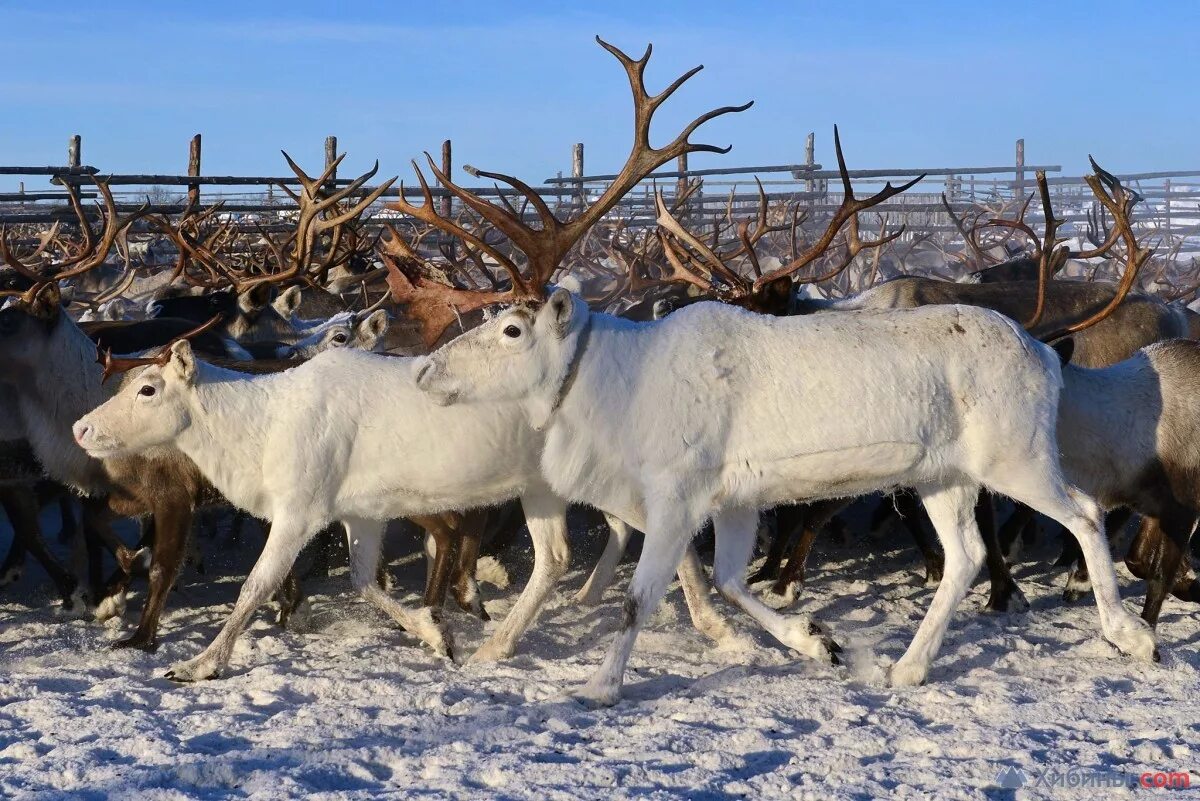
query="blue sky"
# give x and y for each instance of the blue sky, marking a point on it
(911, 84)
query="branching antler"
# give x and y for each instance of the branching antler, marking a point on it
(1119, 202)
(546, 246)
(318, 212)
(697, 263)
(89, 253)
(112, 365)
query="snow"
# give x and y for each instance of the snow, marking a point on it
(347, 706)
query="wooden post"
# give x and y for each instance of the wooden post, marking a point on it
(193, 193)
(74, 146)
(1020, 170)
(447, 167)
(681, 182)
(577, 170)
(1167, 210)
(330, 157)
(810, 159)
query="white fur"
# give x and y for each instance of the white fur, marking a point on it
(718, 413)
(346, 436)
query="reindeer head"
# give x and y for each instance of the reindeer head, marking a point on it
(151, 408)
(358, 330)
(26, 322)
(524, 352)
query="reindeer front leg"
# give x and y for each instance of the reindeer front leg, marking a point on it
(288, 536)
(546, 516)
(364, 539)
(667, 534)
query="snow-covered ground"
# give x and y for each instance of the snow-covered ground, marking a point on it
(349, 707)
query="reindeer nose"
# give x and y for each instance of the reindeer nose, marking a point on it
(81, 430)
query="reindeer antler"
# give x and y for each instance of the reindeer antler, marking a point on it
(1119, 201)
(318, 212)
(693, 261)
(112, 366)
(544, 247)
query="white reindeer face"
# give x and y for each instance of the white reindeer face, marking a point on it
(344, 330)
(150, 409)
(522, 353)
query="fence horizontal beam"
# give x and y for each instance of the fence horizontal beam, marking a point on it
(804, 172)
(21, 197)
(47, 170)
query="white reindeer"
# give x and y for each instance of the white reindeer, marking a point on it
(349, 436)
(345, 437)
(670, 423)
(357, 330)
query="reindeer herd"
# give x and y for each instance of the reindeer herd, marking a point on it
(311, 379)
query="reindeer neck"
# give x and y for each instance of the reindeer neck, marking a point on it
(226, 438)
(64, 388)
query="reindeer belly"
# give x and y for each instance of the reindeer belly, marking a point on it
(831, 473)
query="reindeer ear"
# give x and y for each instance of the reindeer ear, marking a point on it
(255, 298)
(560, 308)
(377, 323)
(183, 361)
(1065, 348)
(289, 301)
(47, 303)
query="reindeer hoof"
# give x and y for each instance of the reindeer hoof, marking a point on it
(1009, 600)
(1136, 639)
(490, 651)
(10, 576)
(812, 640)
(933, 574)
(141, 643)
(905, 674)
(186, 672)
(110, 607)
(595, 696)
(764, 573)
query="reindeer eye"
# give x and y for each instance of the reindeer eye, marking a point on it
(512, 331)
(339, 338)
(147, 391)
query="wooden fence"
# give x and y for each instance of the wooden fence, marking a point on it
(1171, 211)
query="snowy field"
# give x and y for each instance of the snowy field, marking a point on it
(347, 706)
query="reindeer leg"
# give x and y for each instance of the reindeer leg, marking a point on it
(1012, 530)
(289, 596)
(546, 517)
(793, 571)
(445, 540)
(606, 566)
(1005, 595)
(22, 510)
(466, 588)
(1078, 581)
(288, 536)
(172, 526)
(950, 509)
(817, 516)
(1157, 553)
(911, 512)
(14, 561)
(364, 539)
(787, 520)
(667, 535)
(735, 529)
